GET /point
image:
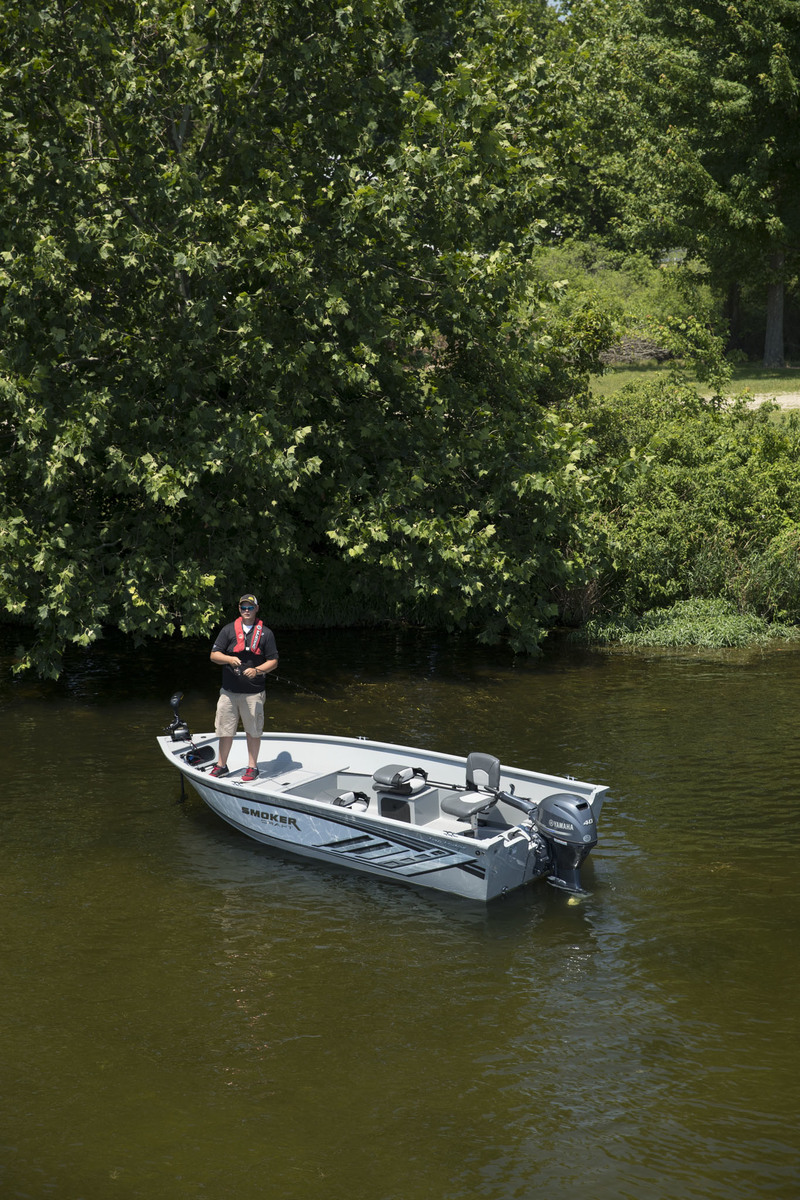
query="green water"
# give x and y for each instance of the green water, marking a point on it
(185, 1013)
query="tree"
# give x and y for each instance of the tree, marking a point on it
(269, 319)
(713, 510)
(694, 125)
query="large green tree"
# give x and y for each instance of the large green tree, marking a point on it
(690, 115)
(268, 319)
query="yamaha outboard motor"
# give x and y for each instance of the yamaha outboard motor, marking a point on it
(177, 729)
(567, 825)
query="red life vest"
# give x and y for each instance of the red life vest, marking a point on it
(255, 636)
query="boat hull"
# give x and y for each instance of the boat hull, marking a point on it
(372, 847)
(290, 807)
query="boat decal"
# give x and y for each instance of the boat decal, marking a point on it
(407, 861)
(356, 841)
(406, 857)
(372, 848)
(273, 817)
(470, 868)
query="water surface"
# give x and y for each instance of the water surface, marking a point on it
(185, 1012)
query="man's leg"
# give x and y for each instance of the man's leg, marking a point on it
(253, 747)
(254, 726)
(226, 722)
(225, 744)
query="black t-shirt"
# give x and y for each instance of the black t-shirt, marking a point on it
(251, 656)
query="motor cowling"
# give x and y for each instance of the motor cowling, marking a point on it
(567, 824)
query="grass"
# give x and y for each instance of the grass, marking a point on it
(750, 378)
(710, 623)
(746, 378)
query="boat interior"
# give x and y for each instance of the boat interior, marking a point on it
(401, 792)
(404, 793)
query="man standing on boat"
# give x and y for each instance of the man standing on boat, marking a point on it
(247, 653)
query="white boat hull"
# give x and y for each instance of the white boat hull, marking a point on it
(293, 806)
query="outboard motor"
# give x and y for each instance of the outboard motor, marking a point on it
(177, 729)
(568, 827)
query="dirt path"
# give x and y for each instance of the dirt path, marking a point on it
(782, 399)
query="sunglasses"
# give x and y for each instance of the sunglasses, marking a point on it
(247, 607)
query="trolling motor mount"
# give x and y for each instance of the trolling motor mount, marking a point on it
(177, 729)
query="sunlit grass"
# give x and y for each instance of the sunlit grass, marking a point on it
(708, 622)
(614, 379)
(746, 378)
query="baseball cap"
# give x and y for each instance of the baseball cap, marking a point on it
(248, 600)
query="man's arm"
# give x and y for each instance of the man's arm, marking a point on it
(263, 669)
(224, 660)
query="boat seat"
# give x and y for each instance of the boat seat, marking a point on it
(467, 805)
(358, 801)
(397, 780)
(396, 787)
(487, 765)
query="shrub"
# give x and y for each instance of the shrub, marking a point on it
(709, 622)
(699, 503)
(770, 579)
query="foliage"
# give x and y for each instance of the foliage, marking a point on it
(708, 508)
(667, 307)
(629, 284)
(712, 622)
(270, 319)
(769, 580)
(689, 116)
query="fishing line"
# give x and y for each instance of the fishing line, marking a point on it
(299, 686)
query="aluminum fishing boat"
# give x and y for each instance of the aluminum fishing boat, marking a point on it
(467, 826)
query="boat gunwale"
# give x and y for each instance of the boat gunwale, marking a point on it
(593, 790)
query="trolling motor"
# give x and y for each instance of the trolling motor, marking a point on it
(567, 826)
(177, 729)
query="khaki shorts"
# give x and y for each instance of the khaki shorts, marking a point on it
(231, 706)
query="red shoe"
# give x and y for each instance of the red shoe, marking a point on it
(217, 770)
(250, 774)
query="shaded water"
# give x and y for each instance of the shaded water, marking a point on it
(186, 1013)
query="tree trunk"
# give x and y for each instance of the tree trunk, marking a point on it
(773, 340)
(733, 313)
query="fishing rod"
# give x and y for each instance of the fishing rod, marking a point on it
(300, 687)
(283, 679)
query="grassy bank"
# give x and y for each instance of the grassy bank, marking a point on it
(746, 378)
(711, 622)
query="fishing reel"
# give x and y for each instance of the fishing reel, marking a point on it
(177, 729)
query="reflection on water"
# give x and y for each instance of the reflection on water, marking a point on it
(186, 1012)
